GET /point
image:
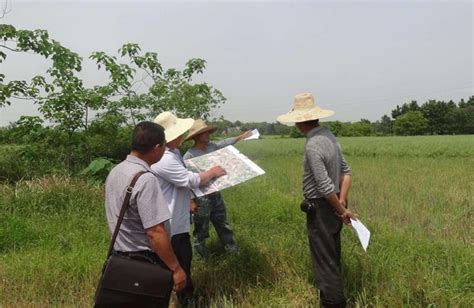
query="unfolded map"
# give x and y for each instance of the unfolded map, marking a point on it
(238, 167)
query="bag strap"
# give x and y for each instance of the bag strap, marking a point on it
(125, 204)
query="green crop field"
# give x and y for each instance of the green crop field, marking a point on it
(415, 194)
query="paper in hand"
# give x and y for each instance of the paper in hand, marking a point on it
(362, 233)
(254, 135)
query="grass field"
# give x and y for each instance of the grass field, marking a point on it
(415, 194)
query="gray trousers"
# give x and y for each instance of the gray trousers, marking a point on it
(324, 234)
(212, 209)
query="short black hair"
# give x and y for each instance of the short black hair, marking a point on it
(146, 135)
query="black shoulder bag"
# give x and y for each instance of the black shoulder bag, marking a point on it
(127, 282)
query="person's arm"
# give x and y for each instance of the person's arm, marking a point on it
(232, 140)
(173, 171)
(193, 206)
(344, 186)
(161, 245)
(345, 180)
(208, 175)
(325, 186)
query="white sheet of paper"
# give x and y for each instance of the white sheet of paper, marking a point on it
(362, 232)
(255, 135)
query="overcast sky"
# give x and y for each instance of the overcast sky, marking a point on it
(359, 58)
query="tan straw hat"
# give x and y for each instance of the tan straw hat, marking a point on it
(304, 109)
(174, 126)
(200, 127)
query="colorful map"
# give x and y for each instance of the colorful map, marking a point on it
(238, 167)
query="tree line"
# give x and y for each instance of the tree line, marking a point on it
(434, 117)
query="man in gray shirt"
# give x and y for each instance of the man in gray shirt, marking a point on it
(326, 182)
(144, 231)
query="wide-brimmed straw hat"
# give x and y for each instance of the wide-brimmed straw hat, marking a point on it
(304, 109)
(200, 127)
(174, 126)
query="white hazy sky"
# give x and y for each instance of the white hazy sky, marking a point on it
(359, 58)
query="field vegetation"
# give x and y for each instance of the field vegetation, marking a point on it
(415, 194)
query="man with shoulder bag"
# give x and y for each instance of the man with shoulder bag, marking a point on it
(141, 268)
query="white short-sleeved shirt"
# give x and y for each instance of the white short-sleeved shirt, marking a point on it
(147, 207)
(176, 183)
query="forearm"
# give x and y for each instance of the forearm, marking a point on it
(345, 185)
(334, 202)
(205, 177)
(161, 244)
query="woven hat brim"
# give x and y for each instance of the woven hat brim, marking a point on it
(181, 127)
(210, 129)
(297, 116)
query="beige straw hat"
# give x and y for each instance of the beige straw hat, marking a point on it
(304, 109)
(200, 127)
(174, 126)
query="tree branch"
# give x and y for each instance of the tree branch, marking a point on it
(6, 47)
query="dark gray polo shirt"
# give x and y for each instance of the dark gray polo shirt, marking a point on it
(147, 206)
(323, 164)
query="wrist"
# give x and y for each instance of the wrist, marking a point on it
(175, 268)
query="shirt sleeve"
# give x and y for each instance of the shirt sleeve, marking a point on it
(323, 182)
(151, 204)
(173, 171)
(188, 155)
(345, 168)
(223, 143)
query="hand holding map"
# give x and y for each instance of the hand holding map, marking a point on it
(237, 166)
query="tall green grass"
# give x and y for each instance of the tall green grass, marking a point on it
(415, 194)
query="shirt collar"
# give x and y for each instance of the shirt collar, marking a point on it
(135, 160)
(314, 131)
(176, 153)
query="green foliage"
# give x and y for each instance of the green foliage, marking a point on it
(296, 133)
(97, 170)
(443, 117)
(410, 124)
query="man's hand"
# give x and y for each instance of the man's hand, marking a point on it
(218, 171)
(179, 279)
(346, 216)
(193, 206)
(245, 135)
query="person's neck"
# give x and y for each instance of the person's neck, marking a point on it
(200, 145)
(143, 157)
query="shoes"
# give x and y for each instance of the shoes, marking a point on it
(231, 248)
(200, 248)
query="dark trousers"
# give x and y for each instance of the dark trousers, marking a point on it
(212, 209)
(181, 244)
(324, 229)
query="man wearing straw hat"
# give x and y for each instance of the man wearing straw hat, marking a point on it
(210, 207)
(326, 182)
(176, 183)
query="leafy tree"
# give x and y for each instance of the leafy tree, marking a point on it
(357, 129)
(170, 90)
(406, 107)
(335, 127)
(436, 112)
(410, 124)
(384, 126)
(60, 95)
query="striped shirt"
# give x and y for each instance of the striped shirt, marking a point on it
(323, 164)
